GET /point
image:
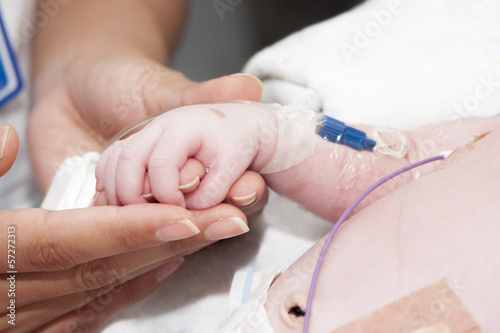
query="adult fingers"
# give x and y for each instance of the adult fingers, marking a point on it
(219, 222)
(36, 314)
(92, 315)
(101, 272)
(190, 175)
(9, 145)
(249, 193)
(94, 275)
(63, 239)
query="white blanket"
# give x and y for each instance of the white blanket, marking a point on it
(392, 63)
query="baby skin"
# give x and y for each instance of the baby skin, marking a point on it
(436, 236)
(230, 138)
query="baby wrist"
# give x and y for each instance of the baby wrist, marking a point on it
(296, 131)
(296, 141)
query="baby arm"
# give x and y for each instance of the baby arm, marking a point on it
(330, 179)
(279, 142)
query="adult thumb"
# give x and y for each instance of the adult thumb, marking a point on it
(230, 87)
(9, 145)
(172, 89)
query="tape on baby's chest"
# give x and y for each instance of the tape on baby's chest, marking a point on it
(432, 309)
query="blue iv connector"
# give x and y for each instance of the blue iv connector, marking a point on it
(338, 132)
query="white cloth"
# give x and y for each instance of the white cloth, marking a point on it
(431, 55)
(391, 65)
(18, 188)
(74, 184)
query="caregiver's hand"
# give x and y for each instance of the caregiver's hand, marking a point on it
(93, 80)
(77, 268)
(9, 144)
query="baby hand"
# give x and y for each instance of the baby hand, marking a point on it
(227, 138)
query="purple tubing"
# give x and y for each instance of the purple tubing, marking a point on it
(341, 220)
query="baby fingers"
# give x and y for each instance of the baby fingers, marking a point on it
(121, 170)
(169, 157)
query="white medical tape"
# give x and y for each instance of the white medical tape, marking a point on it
(73, 185)
(249, 289)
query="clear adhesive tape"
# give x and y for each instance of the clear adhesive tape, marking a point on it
(296, 137)
(390, 142)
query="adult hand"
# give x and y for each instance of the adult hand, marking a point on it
(84, 112)
(90, 81)
(87, 89)
(77, 268)
(9, 145)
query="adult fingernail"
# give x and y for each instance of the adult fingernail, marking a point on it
(149, 197)
(256, 79)
(166, 270)
(177, 230)
(244, 201)
(4, 132)
(226, 228)
(190, 186)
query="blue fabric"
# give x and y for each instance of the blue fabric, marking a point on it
(11, 84)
